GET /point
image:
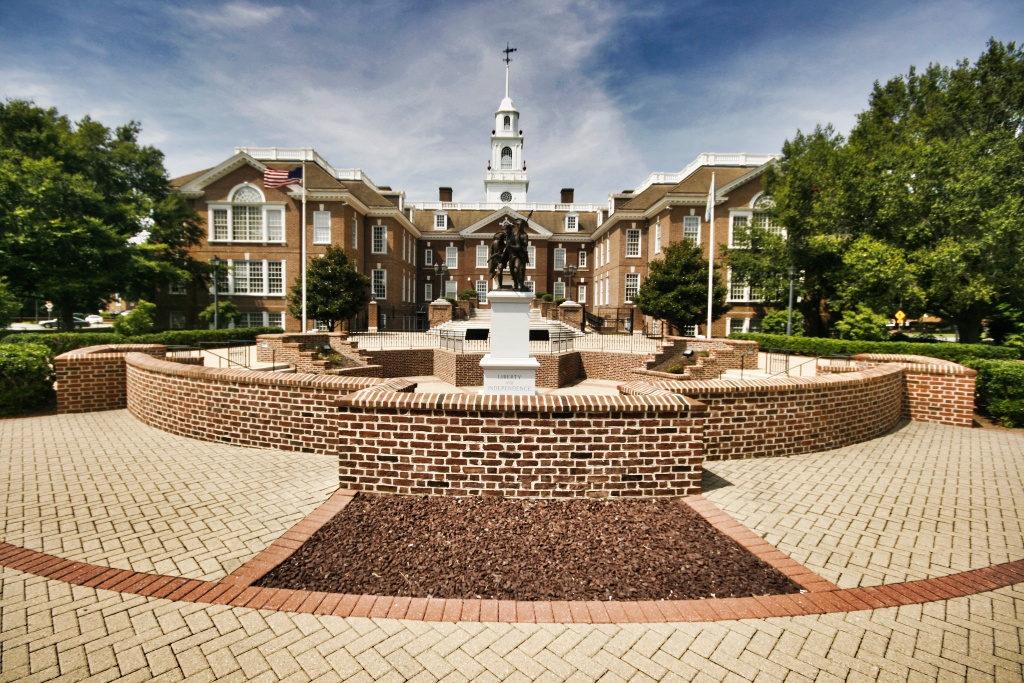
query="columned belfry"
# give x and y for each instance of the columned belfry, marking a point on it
(506, 181)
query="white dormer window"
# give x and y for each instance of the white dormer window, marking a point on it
(440, 221)
(572, 222)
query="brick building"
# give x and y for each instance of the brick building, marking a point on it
(257, 230)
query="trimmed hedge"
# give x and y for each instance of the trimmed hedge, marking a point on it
(26, 379)
(999, 389)
(62, 342)
(956, 353)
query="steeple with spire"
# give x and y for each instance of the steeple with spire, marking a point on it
(506, 181)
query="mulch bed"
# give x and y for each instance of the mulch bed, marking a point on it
(511, 549)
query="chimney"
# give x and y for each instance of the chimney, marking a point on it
(567, 195)
(444, 194)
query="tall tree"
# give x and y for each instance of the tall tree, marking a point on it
(335, 291)
(676, 289)
(85, 211)
(922, 208)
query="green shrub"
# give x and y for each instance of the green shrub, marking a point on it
(559, 302)
(138, 321)
(540, 295)
(999, 389)
(825, 347)
(227, 313)
(469, 294)
(775, 322)
(62, 342)
(548, 297)
(26, 379)
(862, 324)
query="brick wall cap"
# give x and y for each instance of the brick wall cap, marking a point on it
(502, 404)
(779, 385)
(298, 379)
(925, 364)
(111, 350)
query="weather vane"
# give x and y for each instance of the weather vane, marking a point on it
(508, 51)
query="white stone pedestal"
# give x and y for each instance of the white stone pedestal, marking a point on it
(509, 368)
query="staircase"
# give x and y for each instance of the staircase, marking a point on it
(480, 319)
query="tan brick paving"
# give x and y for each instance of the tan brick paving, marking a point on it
(105, 489)
(932, 510)
(924, 501)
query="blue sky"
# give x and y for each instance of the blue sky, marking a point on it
(608, 90)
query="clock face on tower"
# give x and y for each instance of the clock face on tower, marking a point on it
(506, 197)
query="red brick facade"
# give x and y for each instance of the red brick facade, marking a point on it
(93, 378)
(936, 390)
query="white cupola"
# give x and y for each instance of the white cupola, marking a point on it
(506, 181)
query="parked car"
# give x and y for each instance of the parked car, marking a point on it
(79, 322)
(94, 319)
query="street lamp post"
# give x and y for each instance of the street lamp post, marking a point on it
(215, 262)
(440, 270)
(571, 272)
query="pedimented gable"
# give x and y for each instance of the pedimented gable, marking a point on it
(197, 185)
(486, 227)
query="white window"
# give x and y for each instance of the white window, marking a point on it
(275, 277)
(275, 319)
(688, 330)
(531, 256)
(428, 258)
(380, 239)
(583, 260)
(572, 222)
(742, 291)
(737, 325)
(531, 285)
(177, 320)
(321, 227)
(355, 233)
(763, 220)
(451, 288)
(481, 255)
(559, 259)
(177, 287)
(691, 228)
(481, 291)
(739, 223)
(632, 286)
(451, 257)
(632, 243)
(440, 221)
(507, 123)
(428, 291)
(250, 319)
(559, 290)
(581, 294)
(220, 224)
(506, 158)
(275, 224)
(380, 284)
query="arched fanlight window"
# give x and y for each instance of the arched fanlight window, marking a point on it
(247, 194)
(506, 158)
(508, 123)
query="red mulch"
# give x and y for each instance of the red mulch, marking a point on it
(513, 549)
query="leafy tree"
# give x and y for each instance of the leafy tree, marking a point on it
(861, 323)
(9, 304)
(776, 322)
(335, 291)
(923, 208)
(138, 321)
(676, 289)
(227, 313)
(86, 211)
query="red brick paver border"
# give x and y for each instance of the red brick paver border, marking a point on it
(822, 597)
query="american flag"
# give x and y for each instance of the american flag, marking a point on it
(275, 178)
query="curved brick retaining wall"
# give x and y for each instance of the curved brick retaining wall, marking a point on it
(651, 440)
(787, 416)
(434, 443)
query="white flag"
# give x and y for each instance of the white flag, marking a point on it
(711, 200)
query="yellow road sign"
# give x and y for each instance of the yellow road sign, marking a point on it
(900, 315)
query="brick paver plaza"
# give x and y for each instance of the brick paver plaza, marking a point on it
(103, 489)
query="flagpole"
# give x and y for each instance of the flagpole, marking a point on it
(709, 215)
(303, 248)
